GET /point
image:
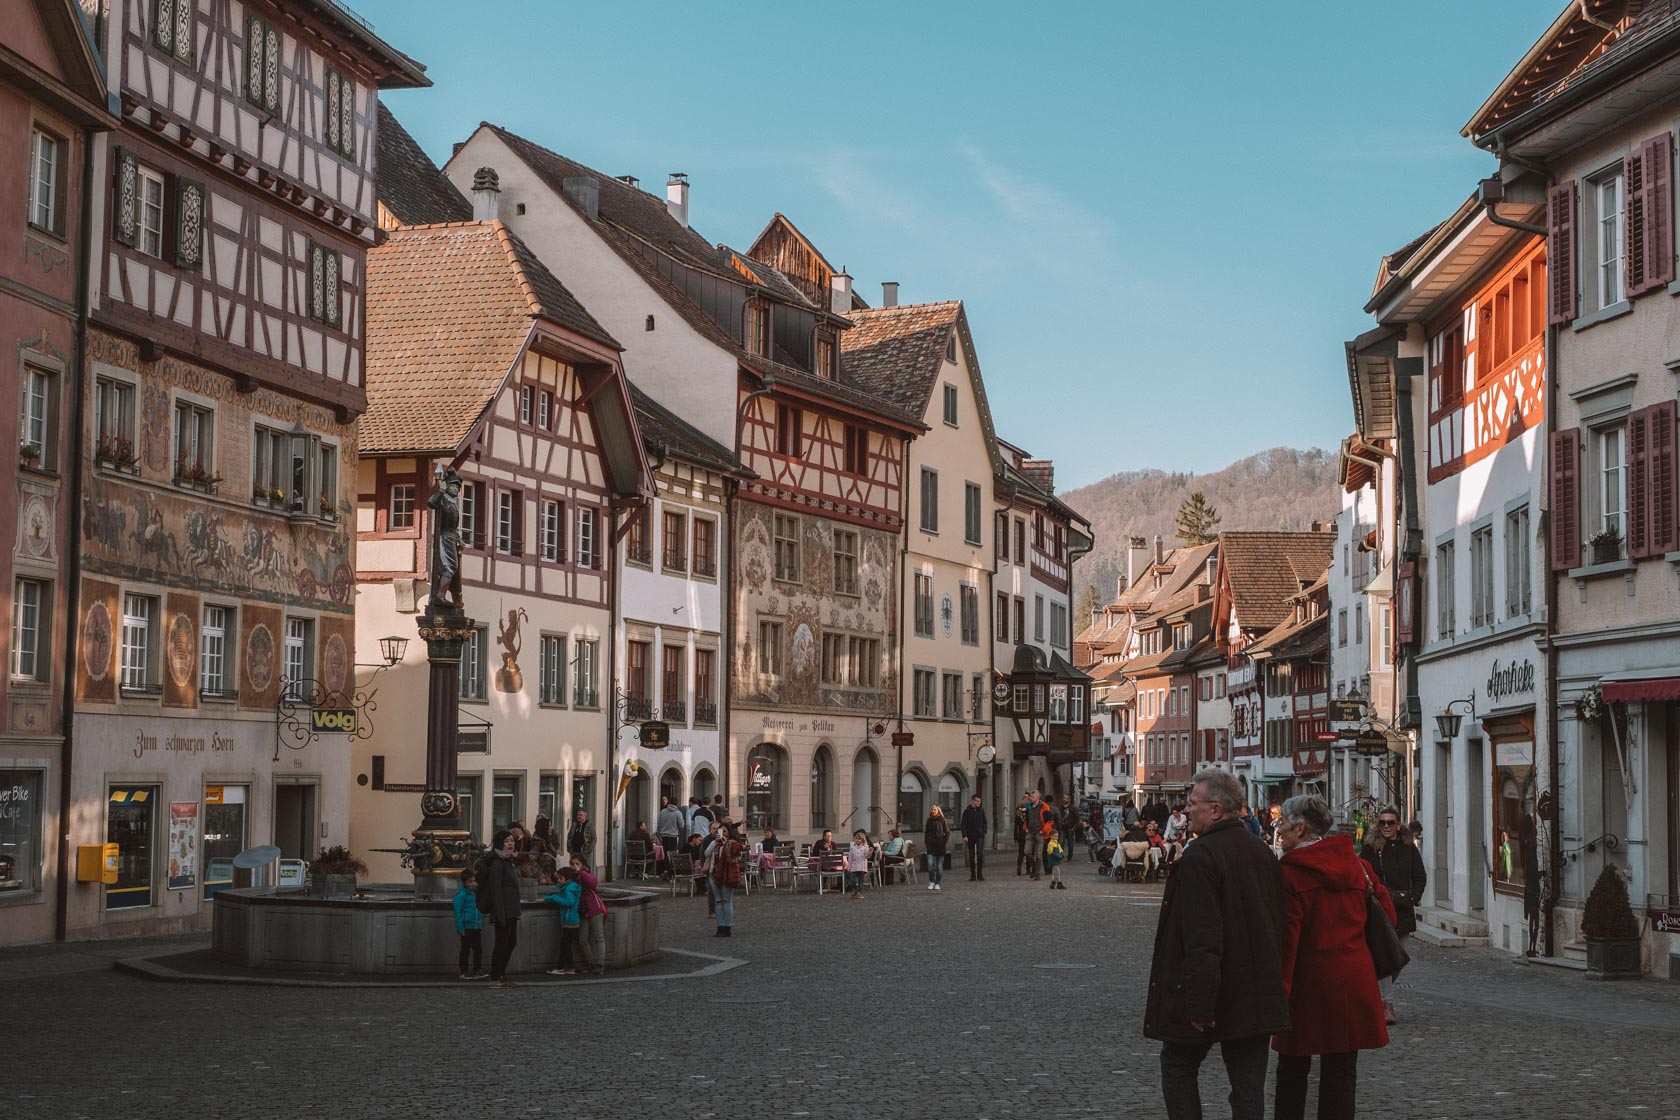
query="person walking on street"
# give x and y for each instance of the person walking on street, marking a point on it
(469, 924)
(974, 837)
(1054, 854)
(1040, 819)
(580, 838)
(500, 881)
(1335, 1010)
(1399, 867)
(936, 834)
(1021, 834)
(1217, 973)
(593, 911)
(723, 875)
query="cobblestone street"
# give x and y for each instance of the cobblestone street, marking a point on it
(905, 1004)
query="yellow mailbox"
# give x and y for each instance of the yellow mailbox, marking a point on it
(96, 863)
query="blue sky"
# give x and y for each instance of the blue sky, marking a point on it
(1164, 218)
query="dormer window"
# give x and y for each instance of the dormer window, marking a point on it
(825, 355)
(758, 329)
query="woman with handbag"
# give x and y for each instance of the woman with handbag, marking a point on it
(723, 867)
(1399, 867)
(1335, 1010)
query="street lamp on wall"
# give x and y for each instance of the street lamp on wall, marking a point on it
(1448, 722)
(392, 649)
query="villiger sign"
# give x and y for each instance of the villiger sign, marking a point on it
(1511, 679)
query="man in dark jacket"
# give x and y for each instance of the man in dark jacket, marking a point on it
(499, 882)
(1399, 866)
(1217, 974)
(974, 838)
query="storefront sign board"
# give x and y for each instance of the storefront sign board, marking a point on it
(183, 845)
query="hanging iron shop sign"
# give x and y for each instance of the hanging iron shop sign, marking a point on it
(655, 734)
(329, 721)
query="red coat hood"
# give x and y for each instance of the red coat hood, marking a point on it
(1331, 864)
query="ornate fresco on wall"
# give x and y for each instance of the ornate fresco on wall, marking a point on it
(259, 657)
(808, 609)
(181, 616)
(96, 669)
(335, 661)
(148, 528)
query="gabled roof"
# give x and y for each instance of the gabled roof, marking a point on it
(410, 185)
(1581, 34)
(1265, 569)
(62, 68)
(1184, 565)
(449, 310)
(898, 352)
(777, 233)
(662, 429)
(638, 226)
(1291, 638)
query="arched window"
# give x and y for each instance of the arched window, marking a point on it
(951, 794)
(912, 802)
(822, 789)
(671, 785)
(865, 769)
(705, 784)
(766, 787)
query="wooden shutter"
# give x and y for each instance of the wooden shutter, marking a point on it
(1638, 485)
(1560, 253)
(189, 223)
(125, 208)
(1633, 222)
(1566, 499)
(1663, 466)
(1658, 153)
(1405, 620)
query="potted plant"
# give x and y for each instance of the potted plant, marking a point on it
(1590, 704)
(333, 873)
(329, 511)
(115, 450)
(1606, 546)
(1611, 932)
(29, 454)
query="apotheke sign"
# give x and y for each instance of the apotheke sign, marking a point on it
(1516, 677)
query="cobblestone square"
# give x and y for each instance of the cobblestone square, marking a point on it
(905, 1004)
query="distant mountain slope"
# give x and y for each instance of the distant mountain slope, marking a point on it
(1283, 488)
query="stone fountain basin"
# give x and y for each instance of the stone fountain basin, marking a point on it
(385, 930)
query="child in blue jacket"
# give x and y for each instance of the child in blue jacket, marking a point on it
(568, 897)
(469, 923)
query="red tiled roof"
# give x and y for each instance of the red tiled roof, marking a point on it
(898, 352)
(449, 309)
(1264, 569)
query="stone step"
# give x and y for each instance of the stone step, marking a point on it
(1448, 939)
(1565, 963)
(1454, 923)
(1575, 952)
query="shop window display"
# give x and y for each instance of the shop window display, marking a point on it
(20, 831)
(131, 823)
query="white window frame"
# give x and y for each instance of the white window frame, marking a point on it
(1481, 576)
(296, 652)
(148, 212)
(553, 519)
(213, 648)
(46, 168)
(31, 619)
(772, 635)
(138, 641)
(930, 500)
(474, 665)
(38, 422)
(1446, 590)
(1519, 559)
(508, 534)
(1609, 444)
(786, 533)
(846, 562)
(1609, 238)
(587, 556)
(400, 509)
(586, 685)
(551, 669)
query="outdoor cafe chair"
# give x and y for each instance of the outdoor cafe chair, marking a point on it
(638, 859)
(683, 873)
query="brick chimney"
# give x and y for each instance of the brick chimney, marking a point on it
(1041, 473)
(486, 195)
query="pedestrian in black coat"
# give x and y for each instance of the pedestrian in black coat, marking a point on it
(1217, 973)
(500, 882)
(974, 828)
(1399, 866)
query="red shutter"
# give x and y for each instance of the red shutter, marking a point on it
(1566, 499)
(1560, 252)
(1663, 494)
(1638, 485)
(1658, 155)
(1634, 252)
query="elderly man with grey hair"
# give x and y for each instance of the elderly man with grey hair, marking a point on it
(1217, 974)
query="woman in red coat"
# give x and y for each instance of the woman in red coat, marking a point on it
(1334, 1007)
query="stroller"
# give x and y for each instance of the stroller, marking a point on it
(1105, 857)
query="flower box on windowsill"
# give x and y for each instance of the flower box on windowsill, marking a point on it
(197, 478)
(129, 465)
(1605, 549)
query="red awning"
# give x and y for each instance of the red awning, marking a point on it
(1658, 689)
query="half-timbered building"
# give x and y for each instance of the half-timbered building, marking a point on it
(1036, 537)
(483, 363)
(752, 360)
(1259, 572)
(1293, 661)
(922, 357)
(222, 386)
(52, 103)
(1170, 632)
(1468, 308)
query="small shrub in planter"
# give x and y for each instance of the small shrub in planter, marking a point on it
(335, 871)
(1611, 931)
